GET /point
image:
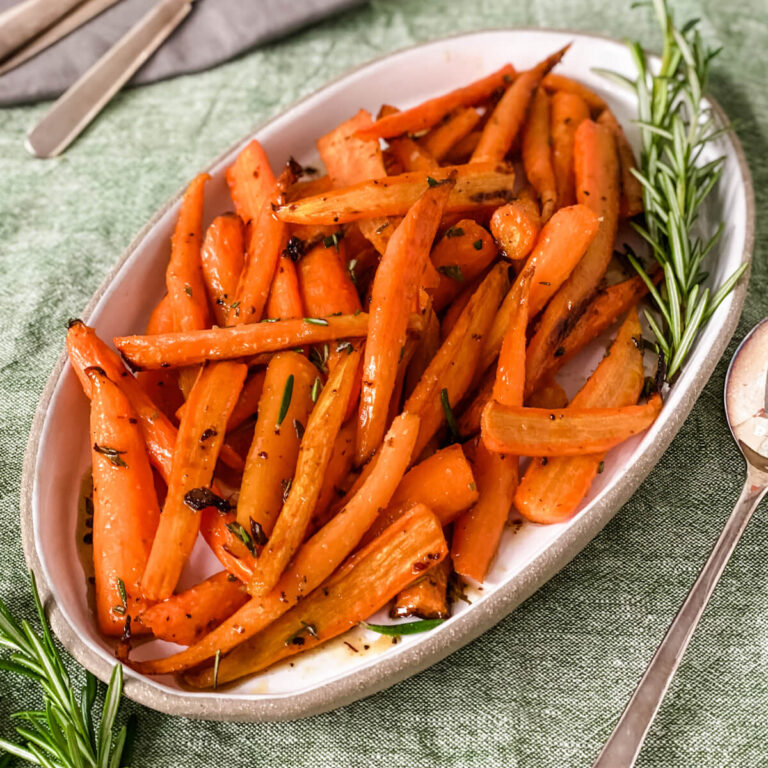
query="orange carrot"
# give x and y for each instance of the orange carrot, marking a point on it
(365, 583)
(284, 406)
(569, 110)
(427, 597)
(424, 349)
(339, 467)
(631, 189)
(187, 617)
(410, 155)
(469, 421)
(284, 300)
(445, 136)
(552, 489)
(315, 561)
(124, 502)
(394, 293)
(248, 402)
(462, 150)
(325, 282)
(463, 253)
(597, 187)
(537, 155)
(222, 259)
(548, 394)
(308, 187)
(509, 114)
(430, 112)
(314, 454)
(201, 434)
(477, 185)
(516, 227)
(176, 349)
(456, 307)
(554, 82)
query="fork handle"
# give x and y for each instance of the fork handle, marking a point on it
(623, 746)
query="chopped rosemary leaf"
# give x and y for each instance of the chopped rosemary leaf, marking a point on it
(123, 593)
(453, 427)
(432, 182)
(316, 320)
(317, 385)
(351, 269)
(453, 271)
(216, 661)
(454, 232)
(478, 245)
(286, 401)
(200, 498)
(112, 454)
(407, 628)
(237, 530)
(332, 241)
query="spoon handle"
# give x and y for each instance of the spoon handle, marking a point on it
(623, 746)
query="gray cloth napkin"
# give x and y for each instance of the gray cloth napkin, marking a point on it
(215, 31)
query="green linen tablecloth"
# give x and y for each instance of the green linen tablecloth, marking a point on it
(545, 686)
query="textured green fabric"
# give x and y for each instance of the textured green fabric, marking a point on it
(544, 687)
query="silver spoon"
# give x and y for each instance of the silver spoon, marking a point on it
(746, 407)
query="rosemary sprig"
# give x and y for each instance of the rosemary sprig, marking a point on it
(62, 734)
(675, 127)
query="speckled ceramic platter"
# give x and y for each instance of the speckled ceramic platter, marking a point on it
(333, 675)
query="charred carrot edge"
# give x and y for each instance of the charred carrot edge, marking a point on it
(555, 82)
(284, 301)
(477, 185)
(563, 432)
(179, 349)
(597, 187)
(125, 506)
(188, 616)
(284, 407)
(509, 114)
(462, 254)
(445, 136)
(552, 489)
(537, 153)
(516, 227)
(631, 189)
(200, 436)
(430, 112)
(314, 454)
(315, 561)
(569, 110)
(427, 597)
(222, 257)
(453, 367)
(365, 582)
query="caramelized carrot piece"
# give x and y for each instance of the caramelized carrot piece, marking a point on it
(463, 253)
(363, 584)
(410, 155)
(552, 489)
(456, 307)
(315, 561)
(222, 259)
(462, 150)
(424, 349)
(325, 282)
(187, 617)
(394, 293)
(469, 421)
(430, 112)
(477, 185)
(199, 440)
(284, 300)
(248, 402)
(549, 394)
(569, 110)
(125, 511)
(516, 227)
(339, 467)
(537, 155)
(597, 187)
(509, 114)
(427, 597)
(314, 454)
(284, 406)
(177, 349)
(631, 189)
(554, 82)
(445, 136)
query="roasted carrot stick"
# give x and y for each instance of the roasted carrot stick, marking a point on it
(597, 187)
(462, 150)
(548, 394)
(176, 349)
(201, 434)
(563, 432)
(469, 421)
(477, 531)
(601, 313)
(445, 136)
(424, 350)
(516, 227)
(284, 406)
(222, 259)
(561, 245)
(365, 583)
(187, 617)
(316, 559)
(410, 155)
(537, 154)
(314, 454)
(569, 110)
(430, 112)
(552, 489)
(325, 282)
(339, 467)
(248, 402)
(124, 502)
(509, 114)
(554, 82)
(427, 597)
(308, 187)
(252, 185)
(453, 367)
(453, 311)
(631, 189)
(284, 300)
(477, 184)
(462, 254)
(394, 292)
